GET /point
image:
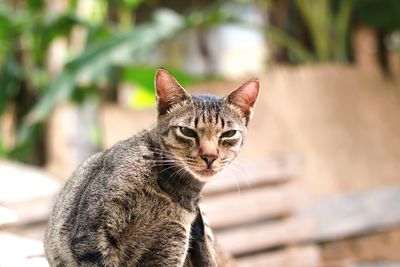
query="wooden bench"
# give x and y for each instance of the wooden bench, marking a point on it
(269, 222)
(253, 218)
(357, 229)
(26, 194)
(261, 215)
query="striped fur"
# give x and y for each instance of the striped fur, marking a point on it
(137, 203)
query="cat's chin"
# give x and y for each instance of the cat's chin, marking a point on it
(204, 175)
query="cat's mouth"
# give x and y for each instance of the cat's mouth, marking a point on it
(204, 172)
(208, 172)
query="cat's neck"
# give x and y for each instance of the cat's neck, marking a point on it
(178, 183)
(182, 187)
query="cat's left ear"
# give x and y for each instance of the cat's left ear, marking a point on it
(244, 97)
(168, 91)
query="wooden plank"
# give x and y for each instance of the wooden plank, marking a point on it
(265, 235)
(31, 231)
(357, 263)
(7, 216)
(26, 194)
(382, 245)
(306, 256)
(19, 251)
(252, 205)
(29, 212)
(20, 182)
(375, 264)
(354, 214)
(258, 172)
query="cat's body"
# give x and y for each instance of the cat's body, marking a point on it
(136, 204)
(106, 207)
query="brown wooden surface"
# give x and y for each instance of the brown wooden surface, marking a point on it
(31, 217)
(354, 214)
(303, 256)
(382, 246)
(356, 263)
(30, 212)
(261, 172)
(265, 235)
(248, 206)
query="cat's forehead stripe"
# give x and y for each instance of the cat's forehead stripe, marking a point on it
(205, 111)
(210, 117)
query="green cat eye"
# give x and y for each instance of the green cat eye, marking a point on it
(188, 132)
(228, 134)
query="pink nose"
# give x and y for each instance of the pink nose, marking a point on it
(209, 151)
(209, 159)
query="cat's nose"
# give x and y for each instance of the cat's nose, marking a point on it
(209, 159)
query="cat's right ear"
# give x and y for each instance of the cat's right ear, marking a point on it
(168, 91)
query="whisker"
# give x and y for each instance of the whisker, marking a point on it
(167, 168)
(240, 169)
(236, 181)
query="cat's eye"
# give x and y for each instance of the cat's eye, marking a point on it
(188, 132)
(228, 134)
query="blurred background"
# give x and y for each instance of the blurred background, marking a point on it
(323, 149)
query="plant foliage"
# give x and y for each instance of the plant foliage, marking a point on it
(27, 33)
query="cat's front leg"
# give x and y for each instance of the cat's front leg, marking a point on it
(85, 249)
(170, 247)
(202, 248)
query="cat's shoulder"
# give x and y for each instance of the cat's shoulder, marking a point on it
(131, 149)
(132, 156)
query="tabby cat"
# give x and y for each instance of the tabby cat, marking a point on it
(137, 203)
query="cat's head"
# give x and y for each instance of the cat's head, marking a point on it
(202, 133)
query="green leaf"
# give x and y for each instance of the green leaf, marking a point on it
(318, 18)
(342, 25)
(95, 61)
(142, 98)
(10, 75)
(12, 24)
(30, 136)
(2, 149)
(383, 15)
(62, 24)
(297, 50)
(144, 76)
(133, 3)
(213, 15)
(35, 5)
